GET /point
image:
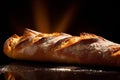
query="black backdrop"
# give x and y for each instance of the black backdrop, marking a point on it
(99, 17)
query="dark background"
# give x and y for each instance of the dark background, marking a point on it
(98, 17)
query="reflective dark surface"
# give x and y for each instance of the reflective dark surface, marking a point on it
(53, 71)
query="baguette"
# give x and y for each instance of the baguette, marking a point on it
(87, 48)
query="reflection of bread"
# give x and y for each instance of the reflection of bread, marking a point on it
(61, 47)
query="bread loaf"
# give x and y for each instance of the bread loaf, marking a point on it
(63, 48)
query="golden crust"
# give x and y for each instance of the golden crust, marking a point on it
(61, 47)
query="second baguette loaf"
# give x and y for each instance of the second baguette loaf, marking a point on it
(61, 47)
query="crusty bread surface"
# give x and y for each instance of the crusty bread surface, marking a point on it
(61, 47)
